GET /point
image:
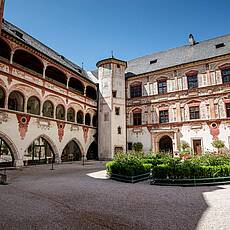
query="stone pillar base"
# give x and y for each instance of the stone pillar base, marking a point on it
(18, 163)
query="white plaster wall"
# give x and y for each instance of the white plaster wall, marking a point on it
(144, 137)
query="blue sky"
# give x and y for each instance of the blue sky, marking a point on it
(87, 30)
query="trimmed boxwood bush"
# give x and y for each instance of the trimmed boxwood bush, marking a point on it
(167, 167)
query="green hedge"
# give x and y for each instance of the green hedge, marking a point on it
(165, 166)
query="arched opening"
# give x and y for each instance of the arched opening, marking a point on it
(91, 92)
(71, 152)
(76, 85)
(2, 98)
(16, 101)
(95, 121)
(92, 153)
(33, 105)
(6, 156)
(60, 112)
(48, 109)
(71, 115)
(28, 60)
(5, 50)
(39, 152)
(55, 75)
(166, 145)
(87, 119)
(80, 117)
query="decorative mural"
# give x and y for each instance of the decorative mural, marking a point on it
(23, 122)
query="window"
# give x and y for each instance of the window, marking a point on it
(162, 87)
(60, 112)
(192, 82)
(119, 130)
(48, 109)
(130, 145)
(16, 101)
(118, 66)
(80, 117)
(135, 90)
(71, 115)
(87, 119)
(2, 98)
(194, 112)
(114, 93)
(228, 110)
(117, 110)
(225, 75)
(220, 45)
(33, 105)
(153, 61)
(106, 116)
(164, 116)
(137, 118)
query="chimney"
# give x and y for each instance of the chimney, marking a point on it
(1, 13)
(191, 40)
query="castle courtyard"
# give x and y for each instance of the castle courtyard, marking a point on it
(73, 196)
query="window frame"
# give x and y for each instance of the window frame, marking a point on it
(164, 116)
(162, 89)
(136, 90)
(194, 112)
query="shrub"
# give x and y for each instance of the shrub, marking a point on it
(138, 146)
(184, 145)
(218, 144)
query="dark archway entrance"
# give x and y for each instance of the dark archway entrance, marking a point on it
(166, 145)
(92, 153)
(71, 152)
(39, 152)
(6, 156)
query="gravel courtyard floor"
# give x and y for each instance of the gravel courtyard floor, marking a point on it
(75, 197)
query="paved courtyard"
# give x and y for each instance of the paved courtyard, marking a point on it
(75, 197)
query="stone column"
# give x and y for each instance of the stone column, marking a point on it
(18, 163)
(11, 57)
(178, 113)
(44, 71)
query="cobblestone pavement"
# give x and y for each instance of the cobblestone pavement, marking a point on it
(68, 198)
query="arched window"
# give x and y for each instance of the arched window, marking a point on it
(28, 60)
(5, 50)
(60, 112)
(80, 117)
(95, 120)
(137, 118)
(33, 105)
(16, 101)
(91, 92)
(48, 109)
(2, 98)
(71, 115)
(55, 75)
(87, 119)
(76, 85)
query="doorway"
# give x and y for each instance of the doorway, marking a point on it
(197, 147)
(166, 145)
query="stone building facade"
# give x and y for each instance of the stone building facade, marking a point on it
(52, 109)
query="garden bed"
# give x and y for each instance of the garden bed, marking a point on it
(130, 179)
(164, 169)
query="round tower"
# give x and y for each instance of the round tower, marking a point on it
(112, 113)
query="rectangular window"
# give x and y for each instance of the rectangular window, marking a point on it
(130, 145)
(106, 116)
(114, 93)
(137, 119)
(135, 90)
(194, 112)
(228, 109)
(162, 87)
(192, 82)
(117, 110)
(225, 75)
(164, 116)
